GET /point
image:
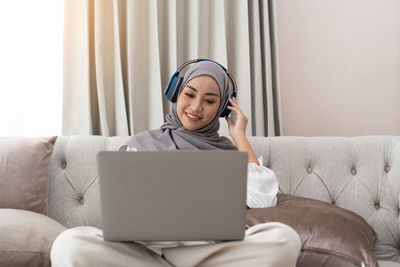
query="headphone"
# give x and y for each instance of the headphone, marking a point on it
(172, 89)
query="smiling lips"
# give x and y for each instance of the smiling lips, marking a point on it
(192, 117)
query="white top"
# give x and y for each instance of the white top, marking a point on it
(262, 188)
(262, 185)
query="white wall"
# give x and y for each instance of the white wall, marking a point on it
(339, 64)
(31, 54)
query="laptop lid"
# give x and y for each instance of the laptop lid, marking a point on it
(173, 195)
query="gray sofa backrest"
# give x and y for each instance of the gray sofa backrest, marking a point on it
(361, 174)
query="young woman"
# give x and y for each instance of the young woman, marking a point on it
(193, 124)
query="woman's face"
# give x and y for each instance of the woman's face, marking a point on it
(198, 102)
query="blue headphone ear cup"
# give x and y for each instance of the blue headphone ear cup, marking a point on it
(226, 111)
(174, 97)
(172, 89)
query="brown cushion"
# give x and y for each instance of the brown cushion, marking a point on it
(330, 235)
(26, 238)
(24, 172)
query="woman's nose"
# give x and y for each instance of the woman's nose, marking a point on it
(196, 105)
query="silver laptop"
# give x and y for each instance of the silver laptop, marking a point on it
(173, 195)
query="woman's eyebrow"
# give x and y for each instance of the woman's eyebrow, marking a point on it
(194, 89)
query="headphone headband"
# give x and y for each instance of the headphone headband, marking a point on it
(172, 89)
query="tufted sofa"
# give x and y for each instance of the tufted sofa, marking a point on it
(361, 174)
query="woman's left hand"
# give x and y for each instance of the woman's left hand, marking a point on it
(237, 129)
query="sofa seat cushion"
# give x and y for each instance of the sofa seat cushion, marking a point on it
(331, 236)
(26, 238)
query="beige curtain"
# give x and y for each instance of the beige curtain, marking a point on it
(120, 54)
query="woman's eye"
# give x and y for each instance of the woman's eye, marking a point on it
(189, 95)
(209, 101)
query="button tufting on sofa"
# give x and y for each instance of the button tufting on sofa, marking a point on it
(353, 171)
(387, 168)
(64, 164)
(309, 170)
(377, 205)
(81, 200)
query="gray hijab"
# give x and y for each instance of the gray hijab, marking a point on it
(173, 136)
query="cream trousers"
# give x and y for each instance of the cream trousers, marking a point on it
(268, 244)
